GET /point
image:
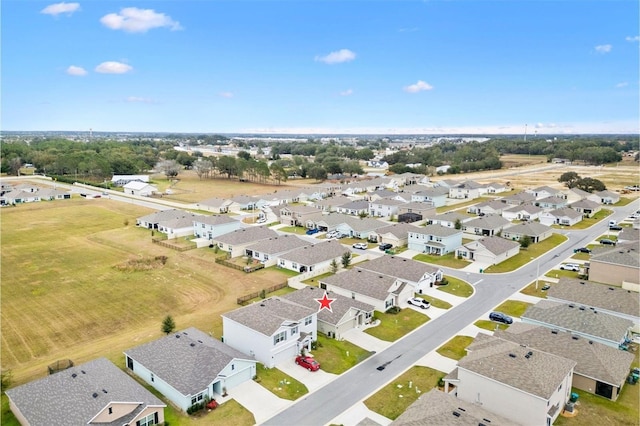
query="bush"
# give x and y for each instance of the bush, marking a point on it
(394, 310)
(443, 281)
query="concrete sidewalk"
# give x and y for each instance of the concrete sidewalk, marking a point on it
(360, 413)
(438, 362)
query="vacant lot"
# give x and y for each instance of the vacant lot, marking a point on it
(78, 283)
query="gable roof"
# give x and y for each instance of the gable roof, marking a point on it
(399, 267)
(552, 199)
(452, 216)
(584, 204)
(496, 245)
(355, 223)
(566, 211)
(607, 194)
(586, 321)
(67, 397)
(214, 220)
(490, 221)
(528, 208)
(387, 202)
(307, 296)
(540, 374)
(579, 192)
(595, 360)
(521, 196)
(317, 253)
(493, 204)
(182, 222)
(529, 228)
(629, 234)
(416, 205)
(137, 185)
(468, 184)
(363, 282)
(600, 296)
(625, 254)
(216, 202)
(187, 360)
(279, 244)
(164, 215)
(437, 231)
(398, 230)
(246, 235)
(355, 205)
(267, 316)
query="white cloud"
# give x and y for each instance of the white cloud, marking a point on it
(603, 48)
(79, 71)
(58, 8)
(137, 99)
(418, 87)
(112, 67)
(227, 95)
(632, 39)
(622, 84)
(134, 20)
(347, 92)
(342, 55)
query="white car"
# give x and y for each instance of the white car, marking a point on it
(418, 302)
(361, 246)
(570, 267)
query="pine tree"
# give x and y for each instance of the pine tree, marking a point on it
(168, 325)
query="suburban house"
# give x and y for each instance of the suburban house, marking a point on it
(268, 250)
(551, 203)
(450, 218)
(519, 198)
(565, 217)
(396, 234)
(465, 190)
(487, 207)
(121, 180)
(236, 242)
(18, 196)
(489, 250)
(415, 212)
(330, 204)
(435, 239)
(152, 221)
(53, 194)
(286, 196)
(542, 192)
(494, 188)
(354, 208)
(440, 408)
(616, 266)
(315, 258)
(587, 207)
(522, 212)
(190, 367)
(381, 291)
(575, 194)
(600, 369)
(380, 194)
(486, 225)
(610, 300)
(178, 227)
(356, 227)
(447, 183)
(345, 314)
(272, 331)
(96, 392)
(437, 196)
(580, 320)
(210, 227)
(216, 205)
(419, 275)
(245, 202)
(354, 188)
(628, 235)
(140, 189)
(384, 207)
(514, 381)
(536, 231)
(606, 197)
(299, 215)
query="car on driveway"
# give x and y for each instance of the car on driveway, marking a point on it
(607, 242)
(615, 228)
(419, 302)
(500, 317)
(582, 250)
(570, 267)
(312, 231)
(361, 246)
(307, 362)
(385, 246)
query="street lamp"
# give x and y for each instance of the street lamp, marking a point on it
(537, 272)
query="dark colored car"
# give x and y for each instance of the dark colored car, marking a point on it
(582, 250)
(615, 228)
(385, 246)
(307, 362)
(312, 231)
(500, 317)
(607, 242)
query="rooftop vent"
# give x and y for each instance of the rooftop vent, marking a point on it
(104, 391)
(512, 355)
(554, 331)
(177, 336)
(262, 304)
(83, 372)
(611, 288)
(199, 341)
(192, 344)
(74, 375)
(529, 353)
(527, 356)
(486, 420)
(574, 337)
(461, 409)
(582, 282)
(581, 308)
(455, 413)
(571, 305)
(591, 342)
(95, 395)
(185, 333)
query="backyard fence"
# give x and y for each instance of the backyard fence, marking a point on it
(60, 365)
(165, 243)
(245, 268)
(244, 299)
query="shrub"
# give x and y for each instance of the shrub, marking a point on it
(394, 310)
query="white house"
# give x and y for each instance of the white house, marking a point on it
(190, 367)
(486, 225)
(178, 227)
(489, 250)
(354, 208)
(272, 331)
(435, 239)
(216, 205)
(450, 218)
(542, 192)
(121, 180)
(465, 190)
(236, 242)
(419, 275)
(565, 216)
(211, 226)
(536, 231)
(437, 196)
(606, 197)
(494, 188)
(140, 189)
(384, 207)
(267, 251)
(522, 212)
(315, 258)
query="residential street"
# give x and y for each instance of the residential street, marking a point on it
(323, 405)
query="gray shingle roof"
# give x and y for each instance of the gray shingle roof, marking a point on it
(398, 267)
(164, 215)
(339, 307)
(490, 221)
(317, 253)
(623, 254)
(435, 408)
(215, 202)
(182, 222)
(246, 235)
(363, 282)
(600, 296)
(61, 399)
(585, 321)
(188, 360)
(356, 205)
(452, 216)
(493, 204)
(629, 234)
(521, 197)
(595, 360)
(279, 244)
(497, 245)
(540, 374)
(355, 223)
(268, 315)
(566, 211)
(399, 230)
(437, 191)
(528, 208)
(530, 228)
(607, 194)
(387, 202)
(438, 231)
(213, 220)
(585, 204)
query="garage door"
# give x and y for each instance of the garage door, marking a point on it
(239, 377)
(288, 354)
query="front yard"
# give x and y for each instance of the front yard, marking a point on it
(530, 290)
(436, 303)
(514, 308)
(457, 287)
(280, 384)
(525, 255)
(456, 348)
(448, 260)
(490, 325)
(394, 326)
(588, 221)
(337, 356)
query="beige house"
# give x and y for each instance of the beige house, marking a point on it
(396, 234)
(536, 231)
(299, 215)
(489, 250)
(615, 265)
(425, 211)
(236, 242)
(587, 207)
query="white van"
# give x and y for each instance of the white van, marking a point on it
(612, 223)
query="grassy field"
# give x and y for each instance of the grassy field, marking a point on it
(75, 284)
(457, 287)
(394, 326)
(531, 289)
(280, 383)
(456, 347)
(514, 308)
(557, 273)
(462, 205)
(449, 260)
(524, 257)
(490, 325)
(337, 356)
(393, 399)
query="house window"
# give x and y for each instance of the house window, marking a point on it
(233, 367)
(153, 379)
(280, 337)
(353, 295)
(110, 410)
(151, 419)
(130, 363)
(281, 262)
(266, 257)
(388, 303)
(294, 265)
(560, 387)
(294, 330)
(323, 286)
(308, 320)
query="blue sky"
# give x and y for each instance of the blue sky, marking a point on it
(432, 67)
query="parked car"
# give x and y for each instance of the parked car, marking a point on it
(500, 317)
(361, 246)
(615, 228)
(312, 231)
(607, 242)
(582, 250)
(261, 220)
(307, 362)
(385, 246)
(570, 267)
(419, 302)
(546, 287)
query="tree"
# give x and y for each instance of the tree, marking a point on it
(6, 376)
(318, 173)
(458, 224)
(168, 325)
(170, 168)
(525, 241)
(202, 168)
(363, 214)
(346, 259)
(244, 155)
(569, 178)
(590, 184)
(15, 164)
(334, 266)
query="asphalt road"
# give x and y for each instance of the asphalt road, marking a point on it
(328, 402)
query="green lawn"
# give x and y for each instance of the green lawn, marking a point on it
(280, 292)
(514, 308)
(623, 201)
(436, 303)
(283, 271)
(607, 237)
(444, 209)
(280, 384)
(457, 287)
(456, 347)
(394, 326)
(490, 325)
(315, 280)
(531, 289)
(293, 229)
(587, 222)
(7, 418)
(448, 260)
(393, 399)
(581, 256)
(337, 356)
(524, 257)
(557, 273)
(594, 410)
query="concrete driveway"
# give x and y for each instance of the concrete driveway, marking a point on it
(311, 379)
(365, 341)
(255, 398)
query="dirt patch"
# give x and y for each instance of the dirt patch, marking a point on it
(142, 264)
